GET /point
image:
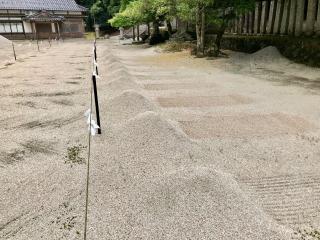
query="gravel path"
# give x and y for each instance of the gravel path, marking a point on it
(191, 148)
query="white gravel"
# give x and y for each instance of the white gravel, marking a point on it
(127, 105)
(149, 178)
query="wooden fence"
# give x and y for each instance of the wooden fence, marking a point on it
(280, 17)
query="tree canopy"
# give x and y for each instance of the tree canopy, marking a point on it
(200, 13)
(100, 11)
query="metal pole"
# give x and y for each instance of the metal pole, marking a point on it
(96, 58)
(49, 40)
(88, 171)
(38, 44)
(94, 79)
(96, 100)
(14, 52)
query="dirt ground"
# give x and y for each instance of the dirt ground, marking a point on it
(191, 148)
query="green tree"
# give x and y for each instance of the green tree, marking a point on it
(223, 12)
(130, 16)
(200, 12)
(196, 11)
(136, 12)
(100, 11)
(217, 12)
(145, 11)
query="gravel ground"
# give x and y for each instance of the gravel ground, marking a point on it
(23, 49)
(43, 99)
(191, 148)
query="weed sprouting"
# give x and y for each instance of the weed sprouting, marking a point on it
(307, 234)
(74, 155)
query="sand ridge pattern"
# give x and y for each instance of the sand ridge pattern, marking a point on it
(150, 179)
(166, 191)
(291, 200)
(170, 86)
(202, 101)
(127, 105)
(251, 125)
(154, 183)
(236, 109)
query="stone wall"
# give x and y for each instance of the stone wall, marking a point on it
(280, 17)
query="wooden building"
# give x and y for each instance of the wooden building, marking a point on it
(32, 19)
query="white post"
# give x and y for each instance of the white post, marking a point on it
(285, 17)
(53, 28)
(121, 32)
(263, 17)
(59, 33)
(240, 24)
(234, 27)
(292, 17)
(97, 30)
(34, 30)
(257, 18)
(251, 19)
(317, 25)
(272, 13)
(311, 17)
(246, 23)
(299, 18)
(277, 20)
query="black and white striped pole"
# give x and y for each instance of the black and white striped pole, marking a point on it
(93, 129)
(95, 56)
(95, 76)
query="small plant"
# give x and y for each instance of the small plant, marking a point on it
(310, 234)
(177, 46)
(74, 155)
(70, 223)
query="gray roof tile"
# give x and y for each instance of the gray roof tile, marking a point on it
(50, 5)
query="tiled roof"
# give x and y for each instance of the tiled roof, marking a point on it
(50, 5)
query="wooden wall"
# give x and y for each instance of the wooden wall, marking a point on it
(280, 17)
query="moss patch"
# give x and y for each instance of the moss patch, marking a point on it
(177, 46)
(74, 155)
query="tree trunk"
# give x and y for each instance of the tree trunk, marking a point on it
(138, 33)
(156, 29)
(156, 35)
(203, 29)
(133, 33)
(169, 26)
(218, 40)
(149, 33)
(218, 44)
(200, 29)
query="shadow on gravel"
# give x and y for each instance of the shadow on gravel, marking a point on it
(54, 94)
(30, 147)
(56, 123)
(281, 79)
